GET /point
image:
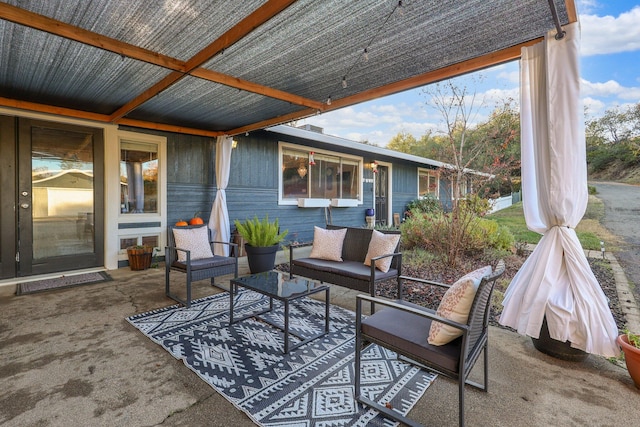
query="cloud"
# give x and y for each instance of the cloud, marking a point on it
(608, 89)
(593, 107)
(607, 34)
(587, 6)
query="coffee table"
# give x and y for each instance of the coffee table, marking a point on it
(279, 286)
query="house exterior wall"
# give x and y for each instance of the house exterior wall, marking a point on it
(254, 179)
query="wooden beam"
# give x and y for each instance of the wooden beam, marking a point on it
(572, 12)
(307, 112)
(169, 128)
(51, 109)
(465, 67)
(252, 21)
(248, 86)
(258, 17)
(62, 29)
(149, 93)
(235, 33)
(103, 118)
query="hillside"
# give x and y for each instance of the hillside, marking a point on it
(616, 172)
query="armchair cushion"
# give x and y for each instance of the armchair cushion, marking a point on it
(381, 244)
(455, 305)
(327, 244)
(195, 240)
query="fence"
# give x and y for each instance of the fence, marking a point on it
(505, 202)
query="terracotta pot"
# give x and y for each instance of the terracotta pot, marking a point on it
(631, 358)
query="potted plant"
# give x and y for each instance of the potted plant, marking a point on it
(139, 257)
(261, 242)
(630, 344)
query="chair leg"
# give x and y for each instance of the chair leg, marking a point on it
(461, 384)
(486, 366)
(188, 300)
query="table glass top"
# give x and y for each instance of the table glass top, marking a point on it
(278, 284)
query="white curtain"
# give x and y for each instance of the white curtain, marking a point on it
(556, 280)
(219, 220)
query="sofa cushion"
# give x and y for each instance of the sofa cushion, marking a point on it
(195, 240)
(348, 269)
(381, 244)
(455, 305)
(327, 244)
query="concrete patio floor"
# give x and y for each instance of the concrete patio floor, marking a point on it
(69, 358)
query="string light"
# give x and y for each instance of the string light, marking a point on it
(365, 54)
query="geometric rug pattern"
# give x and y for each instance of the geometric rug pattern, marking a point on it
(310, 386)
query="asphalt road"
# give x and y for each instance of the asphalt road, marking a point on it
(622, 218)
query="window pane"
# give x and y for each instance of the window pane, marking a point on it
(348, 177)
(328, 177)
(62, 188)
(428, 183)
(138, 178)
(323, 175)
(295, 174)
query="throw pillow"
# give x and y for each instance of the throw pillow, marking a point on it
(455, 305)
(195, 240)
(327, 244)
(381, 244)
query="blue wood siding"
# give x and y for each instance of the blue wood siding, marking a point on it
(405, 187)
(254, 179)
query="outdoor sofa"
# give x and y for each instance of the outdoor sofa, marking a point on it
(346, 265)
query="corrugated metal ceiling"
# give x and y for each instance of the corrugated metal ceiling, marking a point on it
(272, 68)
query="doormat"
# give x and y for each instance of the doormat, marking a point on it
(312, 386)
(62, 282)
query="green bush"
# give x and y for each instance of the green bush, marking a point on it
(476, 205)
(436, 233)
(426, 204)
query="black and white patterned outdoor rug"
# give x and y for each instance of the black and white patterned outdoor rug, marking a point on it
(311, 386)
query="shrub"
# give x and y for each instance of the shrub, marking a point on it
(476, 205)
(448, 235)
(426, 204)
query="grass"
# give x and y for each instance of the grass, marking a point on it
(590, 232)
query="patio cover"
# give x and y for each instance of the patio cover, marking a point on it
(216, 67)
(556, 280)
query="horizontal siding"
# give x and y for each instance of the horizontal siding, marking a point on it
(253, 184)
(184, 200)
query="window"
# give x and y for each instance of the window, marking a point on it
(325, 175)
(138, 177)
(428, 183)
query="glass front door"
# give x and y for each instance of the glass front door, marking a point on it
(57, 199)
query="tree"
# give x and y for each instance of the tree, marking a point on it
(488, 146)
(403, 142)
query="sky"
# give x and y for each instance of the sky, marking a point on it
(609, 64)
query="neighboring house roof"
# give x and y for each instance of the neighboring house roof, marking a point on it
(226, 67)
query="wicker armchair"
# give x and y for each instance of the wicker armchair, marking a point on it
(196, 269)
(403, 327)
